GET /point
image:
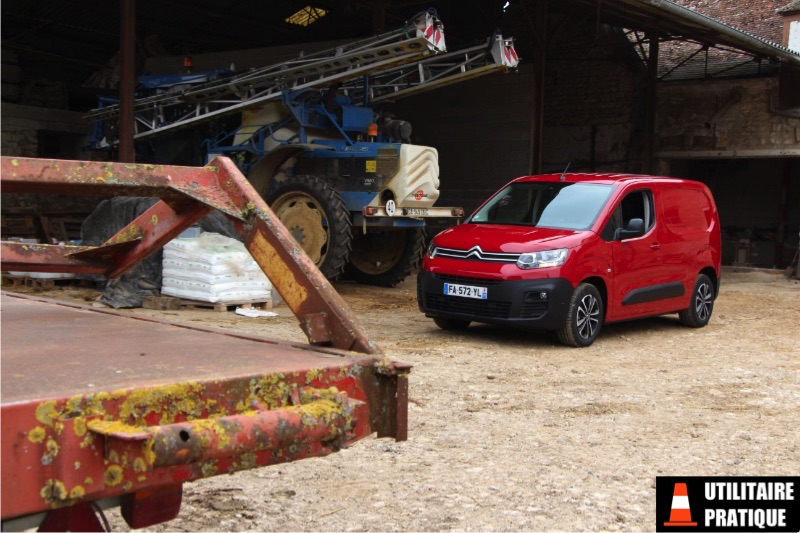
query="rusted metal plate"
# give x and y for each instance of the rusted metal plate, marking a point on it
(57, 349)
(96, 404)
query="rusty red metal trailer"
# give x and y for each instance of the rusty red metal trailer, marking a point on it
(107, 408)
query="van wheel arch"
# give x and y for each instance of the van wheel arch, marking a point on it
(712, 275)
(601, 286)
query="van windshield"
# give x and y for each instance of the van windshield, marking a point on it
(573, 206)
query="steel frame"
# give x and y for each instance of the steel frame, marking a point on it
(187, 195)
(259, 86)
(437, 71)
(65, 448)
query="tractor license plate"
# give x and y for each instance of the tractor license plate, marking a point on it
(465, 291)
(416, 212)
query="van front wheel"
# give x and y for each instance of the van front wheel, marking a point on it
(584, 317)
(698, 313)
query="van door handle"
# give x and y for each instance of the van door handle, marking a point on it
(655, 246)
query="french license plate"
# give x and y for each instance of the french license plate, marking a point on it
(416, 212)
(465, 291)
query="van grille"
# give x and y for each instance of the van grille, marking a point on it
(476, 254)
(451, 304)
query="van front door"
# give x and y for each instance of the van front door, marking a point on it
(639, 283)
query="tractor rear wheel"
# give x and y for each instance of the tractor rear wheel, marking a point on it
(315, 215)
(385, 258)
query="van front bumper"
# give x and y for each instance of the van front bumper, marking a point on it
(535, 304)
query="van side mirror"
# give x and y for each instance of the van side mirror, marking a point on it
(634, 228)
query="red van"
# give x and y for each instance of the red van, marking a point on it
(570, 252)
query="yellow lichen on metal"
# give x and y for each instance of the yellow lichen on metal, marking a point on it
(77, 492)
(310, 395)
(79, 426)
(209, 469)
(171, 401)
(139, 465)
(154, 220)
(53, 491)
(267, 257)
(148, 451)
(313, 375)
(248, 461)
(52, 447)
(77, 465)
(15, 162)
(46, 412)
(271, 391)
(88, 481)
(321, 409)
(113, 476)
(107, 427)
(88, 440)
(131, 234)
(37, 435)
(222, 433)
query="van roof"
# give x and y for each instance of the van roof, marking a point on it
(608, 178)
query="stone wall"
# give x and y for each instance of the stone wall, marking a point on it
(728, 116)
(24, 127)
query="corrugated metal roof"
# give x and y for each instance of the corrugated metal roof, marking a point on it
(669, 18)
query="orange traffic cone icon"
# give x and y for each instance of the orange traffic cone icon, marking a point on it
(680, 514)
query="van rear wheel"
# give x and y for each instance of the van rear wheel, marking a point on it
(584, 317)
(701, 305)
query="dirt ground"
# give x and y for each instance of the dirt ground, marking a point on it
(511, 431)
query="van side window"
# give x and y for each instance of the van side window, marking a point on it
(636, 204)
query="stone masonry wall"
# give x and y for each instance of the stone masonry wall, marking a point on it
(722, 115)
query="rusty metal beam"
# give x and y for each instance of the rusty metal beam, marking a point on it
(152, 230)
(47, 258)
(187, 195)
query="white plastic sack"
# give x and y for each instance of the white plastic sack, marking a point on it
(212, 268)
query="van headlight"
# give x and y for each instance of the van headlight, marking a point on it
(548, 258)
(431, 252)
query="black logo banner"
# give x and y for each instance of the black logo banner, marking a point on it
(728, 503)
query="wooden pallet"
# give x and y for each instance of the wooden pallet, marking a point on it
(41, 284)
(170, 303)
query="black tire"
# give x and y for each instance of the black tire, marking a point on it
(701, 305)
(316, 216)
(584, 317)
(452, 324)
(385, 258)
